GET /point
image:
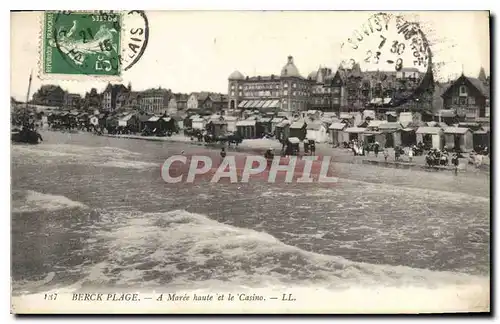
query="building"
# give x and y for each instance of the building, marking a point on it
(196, 100)
(110, 95)
(49, 95)
(288, 91)
(356, 90)
(177, 103)
(72, 100)
(92, 100)
(219, 102)
(468, 97)
(154, 100)
(320, 97)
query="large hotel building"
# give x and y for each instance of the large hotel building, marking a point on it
(344, 90)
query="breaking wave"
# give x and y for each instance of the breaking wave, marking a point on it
(33, 201)
(187, 250)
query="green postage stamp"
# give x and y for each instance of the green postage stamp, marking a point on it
(82, 44)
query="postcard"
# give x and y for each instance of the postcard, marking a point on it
(250, 162)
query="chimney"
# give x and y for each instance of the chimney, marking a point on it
(290, 59)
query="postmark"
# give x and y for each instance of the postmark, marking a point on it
(91, 44)
(395, 52)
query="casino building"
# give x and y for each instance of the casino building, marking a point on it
(345, 90)
(288, 91)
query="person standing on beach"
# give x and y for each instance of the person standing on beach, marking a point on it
(223, 153)
(375, 149)
(410, 154)
(386, 155)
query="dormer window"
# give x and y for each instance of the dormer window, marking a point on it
(462, 91)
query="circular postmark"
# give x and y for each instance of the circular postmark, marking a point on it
(391, 59)
(100, 42)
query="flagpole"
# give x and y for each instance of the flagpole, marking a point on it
(29, 88)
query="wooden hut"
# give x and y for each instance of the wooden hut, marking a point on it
(246, 128)
(217, 127)
(354, 133)
(298, 129)
(431, 137)
(392, 133)
(282, 131)
(458, 138)
(337, 134)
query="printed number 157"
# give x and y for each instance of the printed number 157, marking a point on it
(50, 296)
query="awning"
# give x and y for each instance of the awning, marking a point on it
(248, 104)
(277, 120)
(375, 123)
(344, 115)
(261, 104)
(337, 126)
(245, 123)
(389, 126)
(376, 101)
(314, 126)
(391, 113)
(480, 132)
(265, 120)
(408, 129)
(242, 104)
(387, 101)
(429, 130)
(167, 119)
(455, 130)
(369, 132)
(355, 130)
(446, 113)
(155, 118)
(297, 124)
(274, 104)
(294, 140)
(471, 124)
(283, 123)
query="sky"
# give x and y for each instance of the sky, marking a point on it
(196, 51)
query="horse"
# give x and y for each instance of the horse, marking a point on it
(234, 139)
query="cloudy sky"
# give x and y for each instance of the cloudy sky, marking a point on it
(194, 51)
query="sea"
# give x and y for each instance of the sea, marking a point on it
(91, 212)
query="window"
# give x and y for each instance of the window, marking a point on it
(336, 101)
(462, 91)
(294, 93)
(276, 86)
(240, 93)
(472, 101)
(455, 100)
(240, 87)
(232, 93)
(285, 85)
(463, 100)
(232, 86)
(336, 90)
(293, 105)
(294, 85)
(285, 92)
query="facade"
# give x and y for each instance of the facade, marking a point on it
(288, 91)
(49, 95)
(196, 99)
(468, 97)
(355, 90)
(177, 103)
(320, 95)
(72, 100)
(154, 100)
(110, 96)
